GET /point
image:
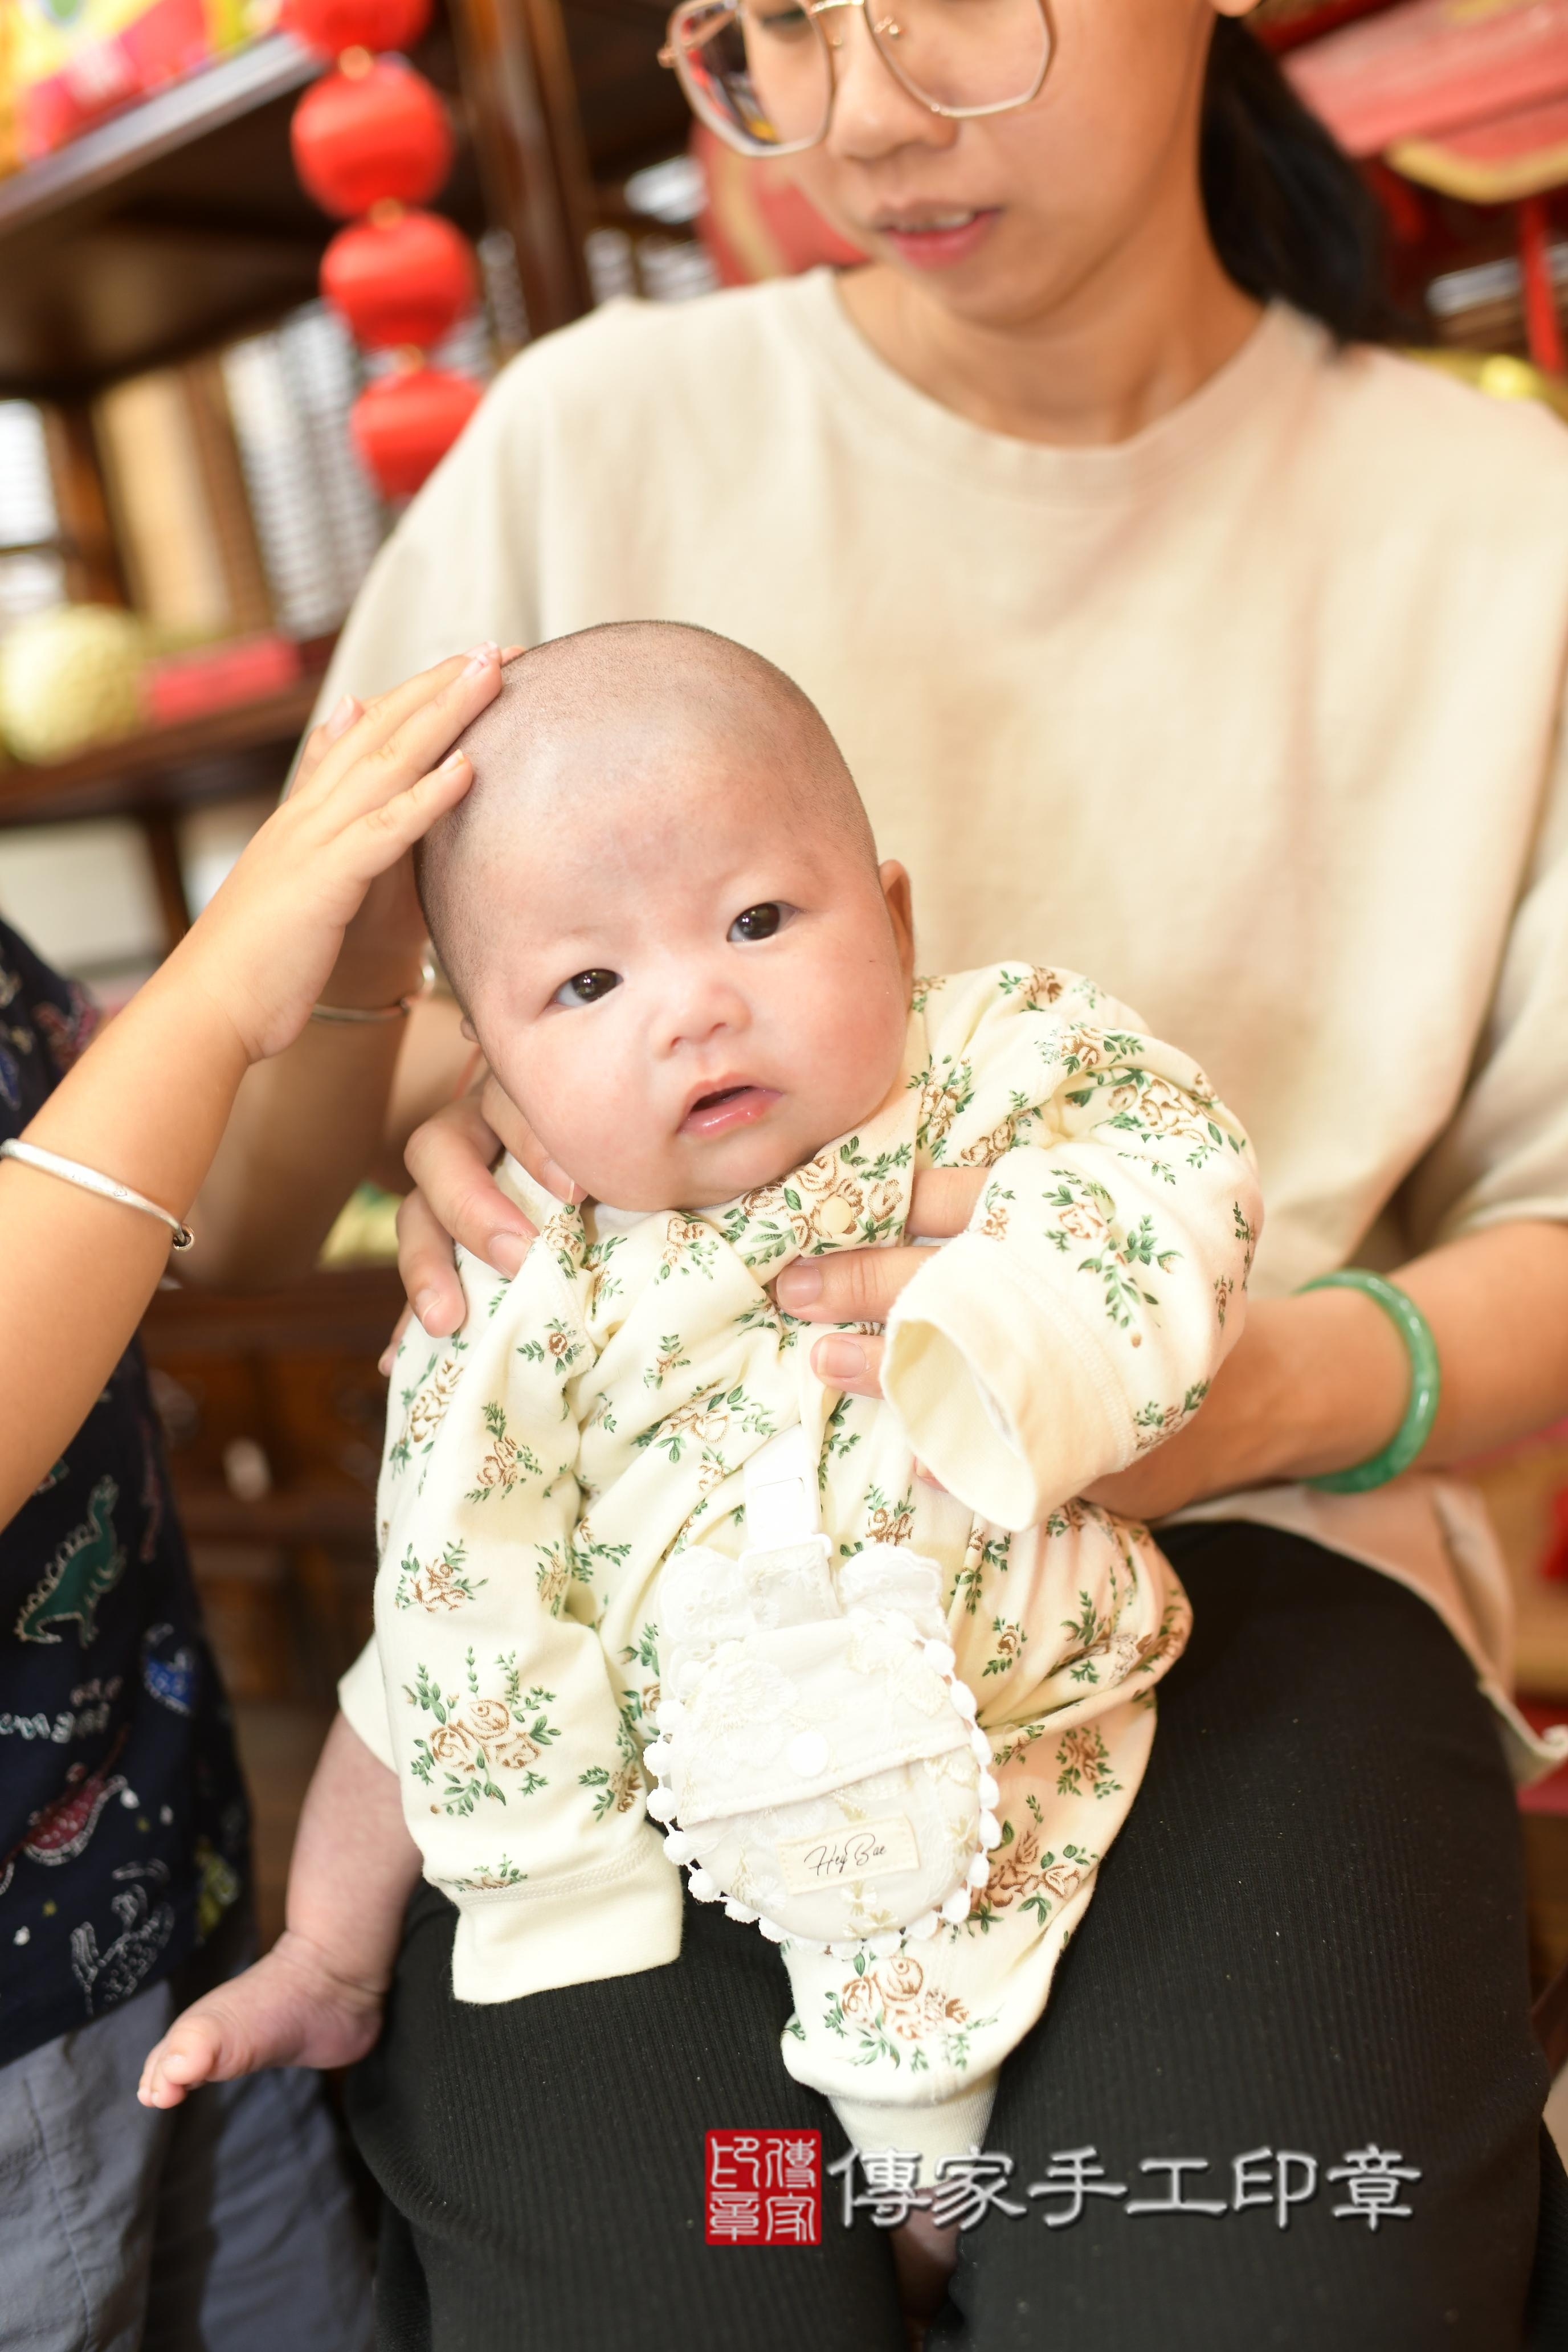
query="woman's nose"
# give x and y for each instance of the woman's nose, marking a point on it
(873, 113)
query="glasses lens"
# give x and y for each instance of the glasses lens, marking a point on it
(760, 75)
(967, 57)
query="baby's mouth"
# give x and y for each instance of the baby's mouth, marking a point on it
(726, 1107)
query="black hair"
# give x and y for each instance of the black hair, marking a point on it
(1288, 212)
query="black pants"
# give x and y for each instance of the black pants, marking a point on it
(1309, 1937)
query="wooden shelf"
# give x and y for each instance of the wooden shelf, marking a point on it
(177, 224)
(245, 749)
(349, 1308)
(158, 126)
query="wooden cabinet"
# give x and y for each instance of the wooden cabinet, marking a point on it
(273, 1408)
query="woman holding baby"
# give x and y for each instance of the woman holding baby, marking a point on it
(1177, 635)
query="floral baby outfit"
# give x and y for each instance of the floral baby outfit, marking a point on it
(595, 1417)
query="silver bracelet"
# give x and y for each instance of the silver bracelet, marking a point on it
(357, 1014)
(89, 1179)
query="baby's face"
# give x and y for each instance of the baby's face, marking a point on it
(685, 986)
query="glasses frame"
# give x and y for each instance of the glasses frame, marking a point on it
(674, 55)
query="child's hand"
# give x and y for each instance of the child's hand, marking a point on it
(265, 946)
(290, 2010)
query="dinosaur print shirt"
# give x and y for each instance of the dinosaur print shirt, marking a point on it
(124, 1832)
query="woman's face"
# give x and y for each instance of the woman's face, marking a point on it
(1002, 218)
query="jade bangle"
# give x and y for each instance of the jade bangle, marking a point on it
(1425, 1383)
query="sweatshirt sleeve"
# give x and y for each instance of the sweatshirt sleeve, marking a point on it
(520, 1777)
(361, 1699)
(1102, 1278)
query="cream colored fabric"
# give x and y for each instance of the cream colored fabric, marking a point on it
(1256, 716)
(594, 1416)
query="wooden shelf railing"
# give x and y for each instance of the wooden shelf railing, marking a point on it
(243, 749)
(155, 127)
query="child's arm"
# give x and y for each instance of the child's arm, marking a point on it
(316, 1999)
(147, 1103)
(490, 1687)
(1102, 1278)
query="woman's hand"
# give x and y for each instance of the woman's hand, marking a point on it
(863, 1286)
(364, 794)
(149, 1098)
(1264, 1414)
(457, 1200)
(1314, 1381)
(1262, 1420)
(385, 940)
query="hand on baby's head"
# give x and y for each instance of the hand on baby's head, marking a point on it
(661, 906)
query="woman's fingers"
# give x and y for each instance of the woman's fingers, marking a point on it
(389, 1353)
(503, 1114)
(373, 841)
(371, 765)
(943, 1200)
(851, 1361)
(368, 726)
(849, 1285)
(322, 738)
(428, 1270)
(400, 733)
(449, 1159)
(863, 1286)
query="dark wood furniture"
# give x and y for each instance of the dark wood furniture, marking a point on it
(272, 1409)
(179, 224)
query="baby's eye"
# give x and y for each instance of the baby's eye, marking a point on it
(586, 987)
(758, 922)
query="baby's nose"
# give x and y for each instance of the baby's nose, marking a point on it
(702, 1010)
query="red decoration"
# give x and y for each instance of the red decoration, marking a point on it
(1542, 327)
(406, 423)
(362, 137)
(757, 223)
(333, 26)
(1554, 1560)
(404, 280)
(371, 138)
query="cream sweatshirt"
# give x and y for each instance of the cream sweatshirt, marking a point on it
(1254, 716)
(595, 1418)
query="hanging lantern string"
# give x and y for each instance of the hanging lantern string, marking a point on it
(371, 143)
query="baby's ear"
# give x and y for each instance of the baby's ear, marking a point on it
(895, 882)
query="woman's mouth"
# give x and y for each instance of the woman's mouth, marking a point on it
(936, 240)
(726, 1107)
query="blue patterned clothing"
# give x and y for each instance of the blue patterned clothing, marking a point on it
(123, 1830)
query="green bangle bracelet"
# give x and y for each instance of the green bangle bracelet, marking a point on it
(1425, 1383)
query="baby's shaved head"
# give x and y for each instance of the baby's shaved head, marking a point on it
(616, 705)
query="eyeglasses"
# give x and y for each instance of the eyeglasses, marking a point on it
(759, 72)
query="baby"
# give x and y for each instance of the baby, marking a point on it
(661, 907)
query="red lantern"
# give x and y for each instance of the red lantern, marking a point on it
(333, 26)
(404, 280)
(403, 426)
(362, 137)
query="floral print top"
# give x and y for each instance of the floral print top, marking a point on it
(595, 1414)
(124, 1831)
